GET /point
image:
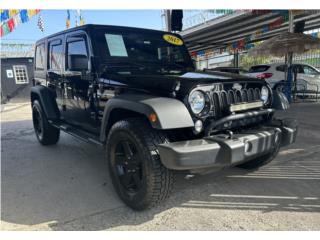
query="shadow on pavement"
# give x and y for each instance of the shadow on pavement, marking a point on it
(67, 186)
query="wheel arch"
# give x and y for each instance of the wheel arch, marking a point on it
(171, 113)
(46, 97)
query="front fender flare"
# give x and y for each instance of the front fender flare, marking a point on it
(171, 113)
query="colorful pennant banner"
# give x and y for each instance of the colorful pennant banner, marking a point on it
(10, 19)
(245, 43)
(68, 19)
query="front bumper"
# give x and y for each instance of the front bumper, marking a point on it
(222, 151)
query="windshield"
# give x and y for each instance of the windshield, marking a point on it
(142, 51)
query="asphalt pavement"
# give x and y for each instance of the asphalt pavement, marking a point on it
(67, 186)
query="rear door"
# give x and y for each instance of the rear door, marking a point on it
(79, 105)
(55, 67)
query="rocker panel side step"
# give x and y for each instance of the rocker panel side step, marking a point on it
(77, 133)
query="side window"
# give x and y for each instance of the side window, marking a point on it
(56, 55)
(308, 70)
(40, 57)
(282, 68)
(299, 69)
(77, 54)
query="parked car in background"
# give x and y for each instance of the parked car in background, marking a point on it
(308, 77)
(234, 70)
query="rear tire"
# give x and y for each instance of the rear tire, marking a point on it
(137, 173)
(45, 133)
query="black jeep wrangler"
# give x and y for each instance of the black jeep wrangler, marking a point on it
(136, 92)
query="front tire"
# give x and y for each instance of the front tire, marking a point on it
(45, 133)
(137, 173)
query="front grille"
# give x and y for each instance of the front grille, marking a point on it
(221, 100)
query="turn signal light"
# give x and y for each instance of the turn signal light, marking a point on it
(153, 117)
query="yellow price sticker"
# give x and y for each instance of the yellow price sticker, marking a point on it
(173, 39)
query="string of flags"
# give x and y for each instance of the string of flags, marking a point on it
(10, 19)
(68, 19)
(247, 42)
(81, 18)
(40, 23)
(241, 45)
(78, 17)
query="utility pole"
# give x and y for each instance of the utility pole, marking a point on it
(167, 15)
(289, 61)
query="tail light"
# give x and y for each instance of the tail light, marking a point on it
(265, 75)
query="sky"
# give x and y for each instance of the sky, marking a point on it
(55, 21)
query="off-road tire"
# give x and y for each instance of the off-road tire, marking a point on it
(47, 135)
(156, 179)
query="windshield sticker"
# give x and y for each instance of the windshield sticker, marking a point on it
(173, 39)
(116, 45)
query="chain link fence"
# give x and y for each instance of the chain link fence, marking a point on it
(311, 57)
(246, 61)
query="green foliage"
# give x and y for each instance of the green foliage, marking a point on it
(311, 57)
(248, 61)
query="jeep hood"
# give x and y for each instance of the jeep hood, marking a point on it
(167, 83)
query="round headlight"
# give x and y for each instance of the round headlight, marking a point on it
(264, 94)
(197, 101)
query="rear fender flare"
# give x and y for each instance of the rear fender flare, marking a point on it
(47, 99)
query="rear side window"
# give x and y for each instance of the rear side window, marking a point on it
(309, 70)
(56, 55)
(259, 68)
(298, 69)
(281, 68)
(39, 57)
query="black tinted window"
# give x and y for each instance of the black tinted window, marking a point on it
(260, 68)
(282, 68)
(40, 56)
(56, 55)
(298, 68)
(77, 48)
(78, 53)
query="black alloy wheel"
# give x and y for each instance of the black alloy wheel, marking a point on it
(136, 171)
(45, 132)
(128, 165)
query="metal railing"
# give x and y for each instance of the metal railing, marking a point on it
(306, 93)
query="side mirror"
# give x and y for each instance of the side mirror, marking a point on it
(77, 62)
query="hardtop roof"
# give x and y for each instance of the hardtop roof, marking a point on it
(97, 26)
